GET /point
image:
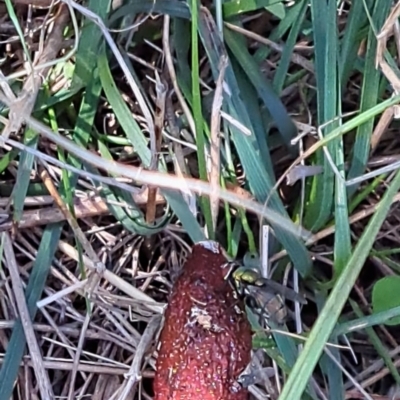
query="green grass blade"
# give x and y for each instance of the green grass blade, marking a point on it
(89, 44)
(24, 174)
(328, 367)
(357, 18)
(138, 140)
(264, 89)
(325, 323)
(174, 8)
(132, 217)
(198, 116)
(255, 115)
(14, 19)
(285, 59)
(182, 211)
(379, 346)
(326, 69)
(333, 373)
(369, 95)
(6, 158)
(366, 321)
(280, 31)
(237, 7)
(357, 121)
(181, 40)
(259, 180)
(342, 244)
(124, 116)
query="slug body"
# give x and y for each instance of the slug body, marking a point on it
(205, 343)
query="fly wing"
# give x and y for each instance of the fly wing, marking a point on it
(284, 291)
(269, 303)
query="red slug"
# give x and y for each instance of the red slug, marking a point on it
(205, 343)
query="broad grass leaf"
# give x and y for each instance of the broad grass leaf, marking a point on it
(385, 295)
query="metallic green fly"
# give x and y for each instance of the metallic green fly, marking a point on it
(265, 294)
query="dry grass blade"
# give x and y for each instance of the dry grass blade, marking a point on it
(115, 280)
(333, 135)
(86, 367)
(83, 208)
(23, 105)
(161, 91)
(388, 30)
(137, 193)
(93, 279)
(381, 127)
(134, 375)
(215, 151)
(172, 74)
(163, 180)
(37, 3)
(78, 353)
